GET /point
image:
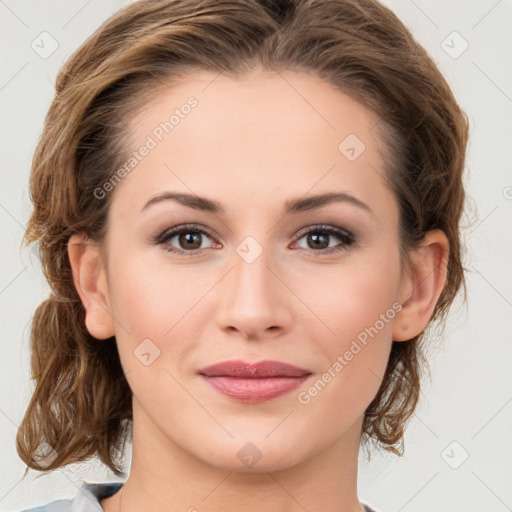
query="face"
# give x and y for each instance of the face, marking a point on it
(256, 270)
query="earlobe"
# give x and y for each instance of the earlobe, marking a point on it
(89, 277)
(422, 286)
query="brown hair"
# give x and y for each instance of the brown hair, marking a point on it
(81, 405)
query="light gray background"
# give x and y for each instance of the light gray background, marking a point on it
(470, 399)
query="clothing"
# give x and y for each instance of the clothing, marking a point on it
(88, 497)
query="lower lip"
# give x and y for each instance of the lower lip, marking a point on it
(255, 390)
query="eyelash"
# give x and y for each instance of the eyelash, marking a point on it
(345, 236)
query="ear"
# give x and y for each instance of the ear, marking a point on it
(90, 279)
(422, 285)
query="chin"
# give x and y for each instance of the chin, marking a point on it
(267, 463)
(258, 456)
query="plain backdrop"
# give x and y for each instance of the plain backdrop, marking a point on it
(459, 444)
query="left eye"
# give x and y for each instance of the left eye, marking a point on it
(320, 238)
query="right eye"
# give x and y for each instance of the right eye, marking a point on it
(188, 237)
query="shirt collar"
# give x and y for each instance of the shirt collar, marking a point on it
(88, 497)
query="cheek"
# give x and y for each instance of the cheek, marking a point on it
(153, 301)
(358, 305)
(156, 327)
(153, 296)
(353, 298)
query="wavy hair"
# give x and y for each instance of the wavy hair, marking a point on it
(81, 404)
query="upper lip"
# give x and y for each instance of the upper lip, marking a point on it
(259, 370)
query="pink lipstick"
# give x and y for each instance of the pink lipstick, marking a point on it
(253, 383)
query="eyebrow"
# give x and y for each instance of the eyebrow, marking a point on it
(291, 206)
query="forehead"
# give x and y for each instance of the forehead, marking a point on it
(259, 104)
(261, 137)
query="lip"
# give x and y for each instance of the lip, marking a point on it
(254, 382)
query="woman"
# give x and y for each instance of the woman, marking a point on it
(248, 213)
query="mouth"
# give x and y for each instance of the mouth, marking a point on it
(253, 383)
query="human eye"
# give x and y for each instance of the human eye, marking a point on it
(319, 238)
(188, 237)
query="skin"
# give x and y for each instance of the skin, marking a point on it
(252, 144)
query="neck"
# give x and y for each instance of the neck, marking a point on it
(164, 477)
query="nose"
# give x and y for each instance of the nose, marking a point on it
(254, 303)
